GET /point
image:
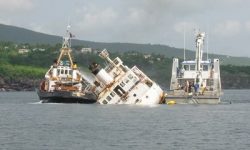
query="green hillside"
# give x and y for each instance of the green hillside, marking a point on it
(23, 71)
(21, 35)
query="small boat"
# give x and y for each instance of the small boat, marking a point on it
(63, 82)
(195, 81)
(119, 84)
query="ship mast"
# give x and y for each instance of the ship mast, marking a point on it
(66, 48)
(184, 41)
(198, 56)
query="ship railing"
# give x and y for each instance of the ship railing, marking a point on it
(185, 93)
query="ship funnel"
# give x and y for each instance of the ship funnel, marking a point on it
(94, 68)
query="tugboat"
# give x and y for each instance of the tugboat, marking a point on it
(119, 84)
(195, 81)
(63, 82)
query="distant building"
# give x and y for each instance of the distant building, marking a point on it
(38, 49)
(23, 51)
(41, 49)
(146, 56)
(86, 50)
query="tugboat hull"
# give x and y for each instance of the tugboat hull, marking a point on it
(66, 97)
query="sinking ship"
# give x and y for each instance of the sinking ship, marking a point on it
(63, 82)
(195, 81)
(119, 84)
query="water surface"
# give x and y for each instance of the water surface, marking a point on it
(25, 124)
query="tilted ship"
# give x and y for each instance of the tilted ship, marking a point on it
(119, 84)
(63, 82)
(195, 81)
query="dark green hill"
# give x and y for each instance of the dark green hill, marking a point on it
(21, 35)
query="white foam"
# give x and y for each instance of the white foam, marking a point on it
(40, 102)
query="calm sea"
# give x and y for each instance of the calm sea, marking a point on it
(25, 124)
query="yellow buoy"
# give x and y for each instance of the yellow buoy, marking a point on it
(171, 102)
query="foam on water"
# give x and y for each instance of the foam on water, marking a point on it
(39, 102)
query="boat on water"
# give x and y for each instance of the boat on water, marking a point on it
(119, 84)
(63, 82)
(195, 81)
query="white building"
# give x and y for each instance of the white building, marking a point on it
(86, 50)
(23, 50)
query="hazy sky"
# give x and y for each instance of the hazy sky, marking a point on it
(226, 22)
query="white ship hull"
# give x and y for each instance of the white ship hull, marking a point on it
(118, 84)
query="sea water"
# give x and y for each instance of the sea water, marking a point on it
(26, 124)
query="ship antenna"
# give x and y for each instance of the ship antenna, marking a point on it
(184, 50)
(69, 34)
(66, 46)
(207, 46)
(67, 38)
(207, 40)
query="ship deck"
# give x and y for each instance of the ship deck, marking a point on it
(181, 97)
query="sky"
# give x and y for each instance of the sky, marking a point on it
(225, 22)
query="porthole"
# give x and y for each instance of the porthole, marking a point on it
(108, 98)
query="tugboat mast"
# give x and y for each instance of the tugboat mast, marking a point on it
(66, 48)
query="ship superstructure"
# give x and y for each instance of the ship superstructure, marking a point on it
(119, 84)
(195, 81)
(63, 81)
